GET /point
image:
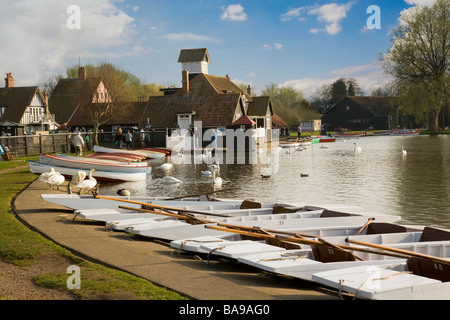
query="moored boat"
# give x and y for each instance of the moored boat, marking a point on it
(86, 164)
(146, 153)
(100, 175)
(404, 132)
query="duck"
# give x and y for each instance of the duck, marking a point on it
(88, 184)
(303, 175)
(403, 151)
(56, 179)
(124, 192)
(207, 173)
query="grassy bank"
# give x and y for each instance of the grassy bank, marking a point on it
(22, 247)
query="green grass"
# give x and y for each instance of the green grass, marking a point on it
(21, 246)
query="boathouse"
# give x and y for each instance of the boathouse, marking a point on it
(362, 113)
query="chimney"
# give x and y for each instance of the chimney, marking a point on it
(81, 73)
(9, 81)
(185, 82)
(249, 91)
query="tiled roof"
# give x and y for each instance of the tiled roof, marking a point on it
(69, 94)
(259, 106)
(16, 100)
(194, 55)
(212, 105)
(244, 120)
(377, 105)
(278, 121)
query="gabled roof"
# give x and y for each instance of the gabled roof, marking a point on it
(260, 106)
(278, 121)
(16, 100)
(194, 55)
(377, 105)
(208, 96)
(244, 120)
(69, 94)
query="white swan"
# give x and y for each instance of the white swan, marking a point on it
(403, 151)
(78, 177)
(169, 179)
(357, 148)
(88, 184)
(166, 166)
(45, 175)
(56, 180)
(216, 180)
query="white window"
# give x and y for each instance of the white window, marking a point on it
(2, 111)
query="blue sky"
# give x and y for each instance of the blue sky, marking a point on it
(303, 43)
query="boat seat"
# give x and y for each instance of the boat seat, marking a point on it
(248, 204)
(332, 214)
(282, 244)
(429, 268)
(324, 253)
(381, 227)
(433, 234)
(286, 209)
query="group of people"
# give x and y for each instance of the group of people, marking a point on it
(128, 139)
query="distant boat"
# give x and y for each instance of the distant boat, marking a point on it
(322, 139)
(349, 135)
(100, 175)
(404, 132)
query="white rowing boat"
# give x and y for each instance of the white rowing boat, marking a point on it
(85, 164)
(100, 175)
(147, 153)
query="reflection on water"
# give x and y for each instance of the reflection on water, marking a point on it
(378, 178)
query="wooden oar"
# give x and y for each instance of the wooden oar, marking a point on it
(301, 241)
(183, 216)
(365, 225)
(399, 251)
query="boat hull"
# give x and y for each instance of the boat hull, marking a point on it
(148, 154)
(100, 175)
(74, 163)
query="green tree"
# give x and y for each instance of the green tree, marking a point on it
(419, 61)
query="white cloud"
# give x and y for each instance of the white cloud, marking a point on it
(38, 43)
(293, 13)
(331, 14)
(186, 36)
(277, 46)
(234, 12)
(369, 76)
(421, 3)
(251, 75)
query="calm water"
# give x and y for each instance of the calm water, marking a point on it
(377, 179)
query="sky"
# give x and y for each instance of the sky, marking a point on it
(299, 43)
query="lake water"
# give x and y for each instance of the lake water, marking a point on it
(378, 179)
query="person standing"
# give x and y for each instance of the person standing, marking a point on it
(128, 139)
(119, 138)
(78, 143)
(299, 131)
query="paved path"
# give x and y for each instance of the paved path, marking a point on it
(155, 261)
